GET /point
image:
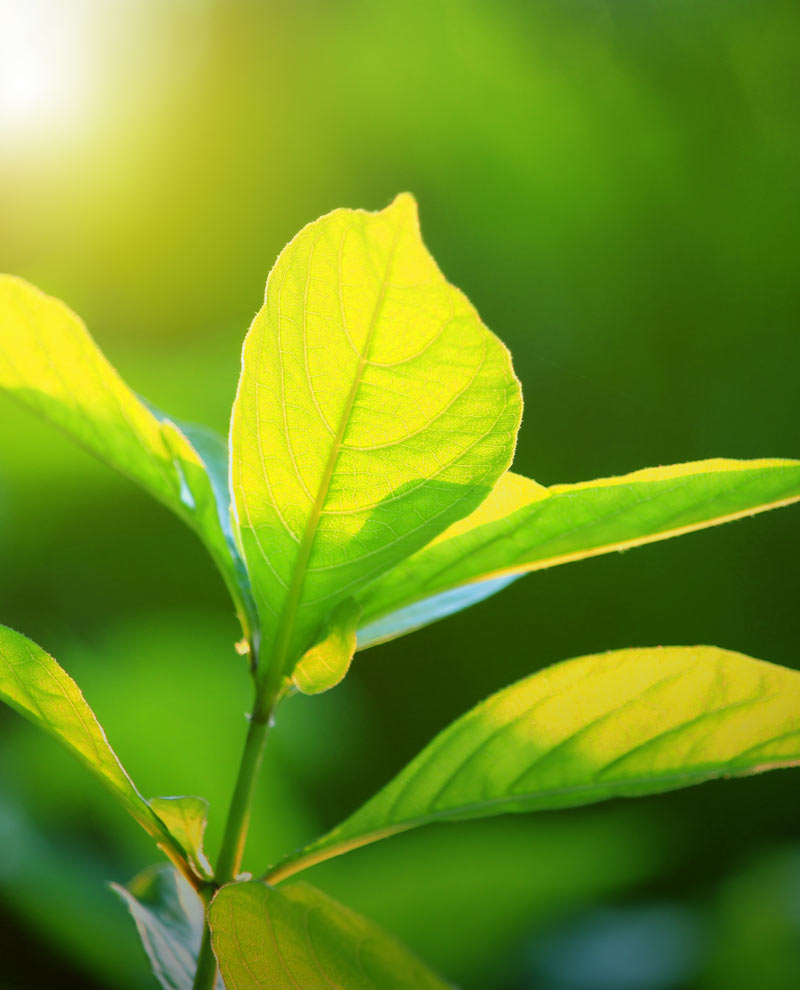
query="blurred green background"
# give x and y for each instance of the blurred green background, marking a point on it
(615, 186)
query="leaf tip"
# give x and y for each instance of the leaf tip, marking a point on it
(404, 205)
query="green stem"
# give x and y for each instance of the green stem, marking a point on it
(233, 840)
(206, 973)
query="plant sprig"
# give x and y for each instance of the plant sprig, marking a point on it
(364, 492)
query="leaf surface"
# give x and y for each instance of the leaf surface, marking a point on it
(617, 724)
(49, 362)
(186, 818)
(169, 918)
(374, 409)
(296, 936)
(524, 527)
(37, 687)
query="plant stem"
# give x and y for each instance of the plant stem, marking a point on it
(206, 973)
(233, 840)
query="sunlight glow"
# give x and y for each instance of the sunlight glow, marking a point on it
(43, 78)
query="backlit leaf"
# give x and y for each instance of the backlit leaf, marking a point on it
(49, 361)
(374, 409)
(37, 687)
(617, 724)
(328, 660)
(296, 936)
(524, 527)
(186, 819)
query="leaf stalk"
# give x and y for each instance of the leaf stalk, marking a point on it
(236, 825)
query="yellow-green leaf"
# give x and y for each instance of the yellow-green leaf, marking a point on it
(296, 936)
(186, 819)
(616, 724)
(374, 409)
(37, 687)
(328, 660)
(49, 361)
(524, 527)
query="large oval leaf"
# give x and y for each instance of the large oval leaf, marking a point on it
(49, 361)
(524, 527)
(617, 724)
(37, 687)
(268, 939)
(374, 409)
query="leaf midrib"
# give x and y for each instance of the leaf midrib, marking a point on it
(278, 659)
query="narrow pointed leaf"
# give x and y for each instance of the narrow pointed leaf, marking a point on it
(617, 724)
(326, 663)
(37, 687)
(374, 409)
(524, 527)
(49, 362)
(296, 936)
(186, 819)
(169, 917)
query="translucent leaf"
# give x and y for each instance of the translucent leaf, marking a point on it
(186, 819)
(49, 361)
(524, 527)
(296, 936)
(169, 917)
(327, 662)
(617, 724)
(374, 409)
(37, 687)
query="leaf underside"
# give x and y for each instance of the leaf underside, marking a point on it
(169, 918)
(617, 724)
(374, 409)
(523, 527)
(282, 939)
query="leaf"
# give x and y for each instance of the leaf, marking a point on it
(37, 687)
(374, 409)
(326, 663)
(49, 361)
(617, 724)
(186, 819)
(524, 527)
(169, 917)
(299, 937)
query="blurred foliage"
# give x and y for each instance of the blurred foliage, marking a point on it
(614, 185)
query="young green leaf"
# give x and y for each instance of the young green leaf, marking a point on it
(299, 937)
(37, 687)
(169, 917)
(49, 361)
(328, 660)
(374, 409)
(186, 819)
(618, 724)
(524, 527)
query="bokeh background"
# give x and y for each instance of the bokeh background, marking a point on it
(615, 185)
